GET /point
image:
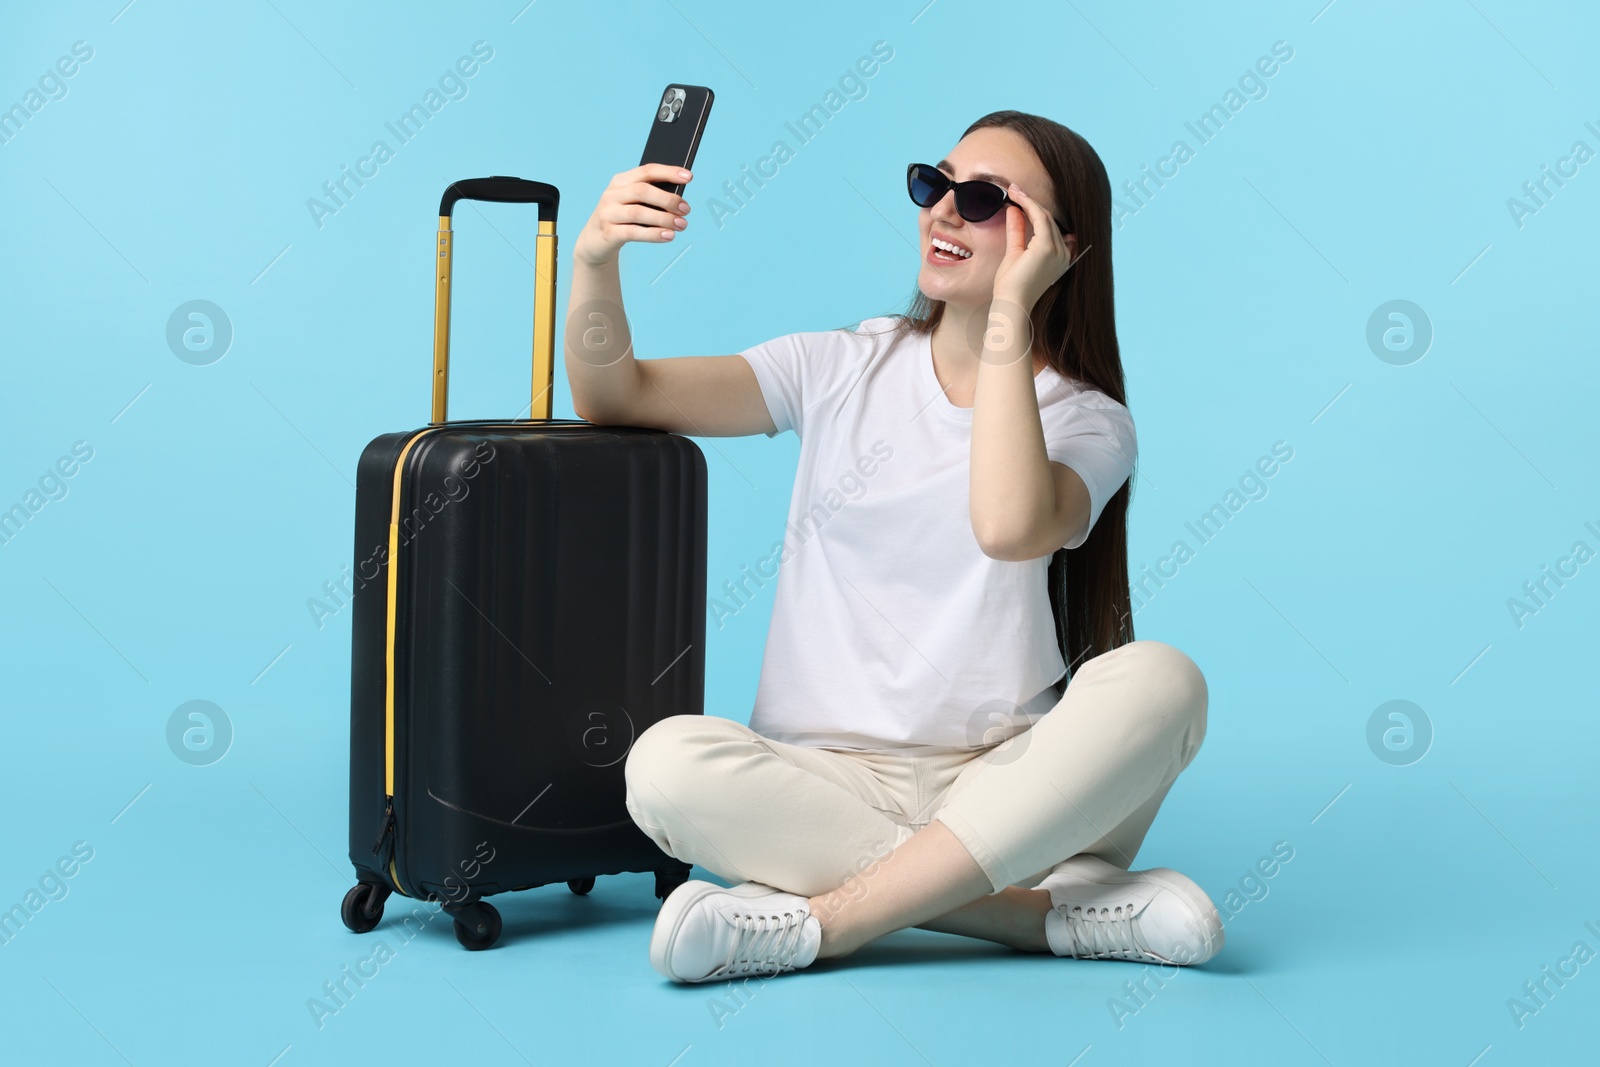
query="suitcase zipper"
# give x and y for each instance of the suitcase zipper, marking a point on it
(391, 611)
(386, 826)
(385, 834)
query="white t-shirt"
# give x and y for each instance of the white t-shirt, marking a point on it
(890, 627)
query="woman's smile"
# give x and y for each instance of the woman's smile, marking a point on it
(943, 256)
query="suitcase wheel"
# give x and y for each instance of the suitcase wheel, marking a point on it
(580, 886)
(363, 906)
(668, 880)
(477, 924)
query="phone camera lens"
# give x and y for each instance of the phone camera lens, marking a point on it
(677, 106)
(665, 114)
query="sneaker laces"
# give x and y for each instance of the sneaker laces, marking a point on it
(766, 944)
(1104, 933)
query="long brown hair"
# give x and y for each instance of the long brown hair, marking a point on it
(1075, 323)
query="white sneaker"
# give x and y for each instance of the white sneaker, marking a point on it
(1101, 911)
(705, 932)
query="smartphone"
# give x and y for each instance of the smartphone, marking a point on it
(675, 132)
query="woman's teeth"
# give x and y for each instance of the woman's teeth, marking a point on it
(947, 251)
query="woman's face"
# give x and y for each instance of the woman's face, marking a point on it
(994, 154)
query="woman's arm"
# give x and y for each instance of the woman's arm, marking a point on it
(708, 396)
(1024, 505)
(601, 370)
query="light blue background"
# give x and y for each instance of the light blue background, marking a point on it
(219, 499)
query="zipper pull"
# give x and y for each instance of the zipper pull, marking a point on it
(386, 826)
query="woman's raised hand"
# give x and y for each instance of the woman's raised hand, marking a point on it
(632, 209)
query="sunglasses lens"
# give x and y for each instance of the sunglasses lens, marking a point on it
(927, 185)
(977, 201)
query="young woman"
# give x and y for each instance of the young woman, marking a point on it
(954, 728)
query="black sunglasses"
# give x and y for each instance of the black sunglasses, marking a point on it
(975, 200)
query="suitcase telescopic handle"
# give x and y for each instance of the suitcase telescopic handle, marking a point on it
(503, 190)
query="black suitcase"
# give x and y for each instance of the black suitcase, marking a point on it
(532, 598)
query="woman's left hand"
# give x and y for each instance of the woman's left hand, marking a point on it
(1028, 270)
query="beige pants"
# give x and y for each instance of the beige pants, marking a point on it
(1086, 777)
